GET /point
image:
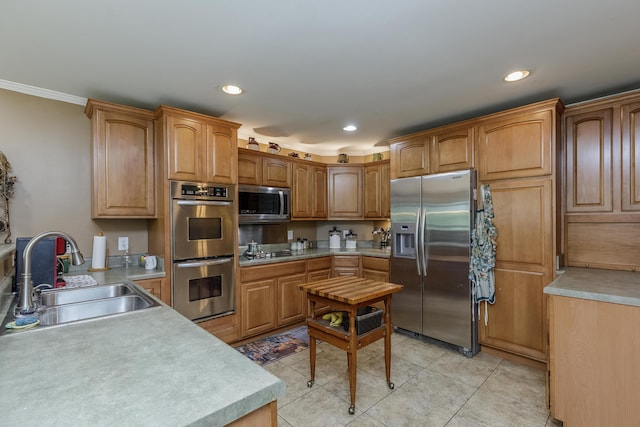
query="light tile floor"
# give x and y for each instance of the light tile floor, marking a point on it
(434, 386)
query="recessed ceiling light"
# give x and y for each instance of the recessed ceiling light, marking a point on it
(232, 89)
(350, 128)
(514, 76)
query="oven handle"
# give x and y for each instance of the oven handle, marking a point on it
(203, 263)
(201, 202)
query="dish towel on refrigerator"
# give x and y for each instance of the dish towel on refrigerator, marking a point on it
(483, 253)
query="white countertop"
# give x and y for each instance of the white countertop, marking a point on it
(618, 287)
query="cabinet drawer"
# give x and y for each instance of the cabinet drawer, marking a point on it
(260, 272)
(373, 263)
(323, 263)
(346, 261)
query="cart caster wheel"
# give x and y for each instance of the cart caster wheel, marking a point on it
(352, 410)
(310, 383)
(391, 386)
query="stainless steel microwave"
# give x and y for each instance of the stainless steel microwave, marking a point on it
(259, 204)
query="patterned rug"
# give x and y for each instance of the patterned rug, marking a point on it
(268, 350)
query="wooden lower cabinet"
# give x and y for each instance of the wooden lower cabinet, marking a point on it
(265, 416)
(593, 362)
(269, 297)
(156, 288)
(346, 266)
(319, 269)
(375, 268)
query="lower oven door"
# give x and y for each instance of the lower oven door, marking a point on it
(204, 288)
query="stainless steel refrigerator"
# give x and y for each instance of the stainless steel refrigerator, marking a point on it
(431, 221)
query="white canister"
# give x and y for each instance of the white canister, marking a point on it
(150, 262)
(334, 240)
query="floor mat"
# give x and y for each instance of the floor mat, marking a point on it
(274, 347)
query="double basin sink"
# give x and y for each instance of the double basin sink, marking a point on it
(71, 305)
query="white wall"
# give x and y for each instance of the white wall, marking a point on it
(48, 145)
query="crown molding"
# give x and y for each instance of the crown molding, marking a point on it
(42, 93)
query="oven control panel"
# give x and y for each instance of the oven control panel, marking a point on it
(202, 191)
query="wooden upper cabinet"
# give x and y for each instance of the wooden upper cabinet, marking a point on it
(630, 127)
(452, 149)
(249, 169)
(185, 141)
(518, 143)
(221, 154)
(309, 191)
(588, 150)
(123, 184)
(276, 172)
(345, 191)
(377, 190)
(263, 169)
(200, 148)
(410, 156)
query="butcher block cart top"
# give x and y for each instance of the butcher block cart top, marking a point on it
(348, 294)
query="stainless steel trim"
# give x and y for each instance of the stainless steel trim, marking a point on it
(416, 236)
(201, 203)
(203, 263)
(281, 194)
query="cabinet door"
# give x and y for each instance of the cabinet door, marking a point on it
(319, 192)
(153, 286)
(301, 191)
(452, 150)
(372, 191)
(221, 153)
(410, 157)
(516, 146)
(185, 143)
(249, 169)
(276, 172)
(291, 300)
(630, 157)
(385, 190)
(123, 165)
(345, 192)
(258, 300)
(525, 264)
(589, 172)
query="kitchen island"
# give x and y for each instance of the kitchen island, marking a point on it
(594, 342)
(149, 367)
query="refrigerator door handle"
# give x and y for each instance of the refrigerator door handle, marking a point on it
(416, 238)
(423, 241)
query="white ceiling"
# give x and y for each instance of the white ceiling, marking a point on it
(310, 67)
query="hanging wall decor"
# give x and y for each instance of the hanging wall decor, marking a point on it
(6, 191)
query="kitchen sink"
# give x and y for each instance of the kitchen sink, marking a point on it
(71, 305)
(66, 313)
(69, 296)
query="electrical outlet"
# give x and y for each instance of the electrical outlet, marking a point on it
(289, 234)
(123, 243)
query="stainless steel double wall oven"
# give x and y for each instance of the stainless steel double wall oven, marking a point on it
(202, 248)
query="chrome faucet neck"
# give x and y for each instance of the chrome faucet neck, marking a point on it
(25, 302)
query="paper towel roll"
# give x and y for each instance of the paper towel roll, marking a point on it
(99, 251)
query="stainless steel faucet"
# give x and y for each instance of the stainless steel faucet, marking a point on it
(25, 301)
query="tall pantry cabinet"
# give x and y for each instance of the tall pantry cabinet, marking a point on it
(515, 153)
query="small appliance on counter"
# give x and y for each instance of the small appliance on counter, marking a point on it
(334, 238)
(252, 250)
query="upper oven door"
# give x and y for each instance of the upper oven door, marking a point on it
(202, 228)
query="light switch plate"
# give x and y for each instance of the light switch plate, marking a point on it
(289, 234)
(123, 243)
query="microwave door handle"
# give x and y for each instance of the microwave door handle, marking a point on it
(201, 203)
(203, 263)
(281, 194)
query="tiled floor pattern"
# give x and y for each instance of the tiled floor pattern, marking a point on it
(434, 386)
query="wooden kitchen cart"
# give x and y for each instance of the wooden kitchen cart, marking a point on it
(348, 294)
